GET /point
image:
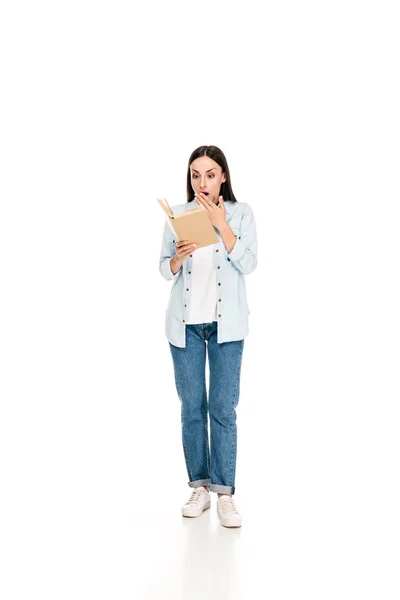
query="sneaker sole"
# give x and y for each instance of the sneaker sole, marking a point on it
(231, 526)
(187, 513)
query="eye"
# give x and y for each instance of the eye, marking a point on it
(210, 175)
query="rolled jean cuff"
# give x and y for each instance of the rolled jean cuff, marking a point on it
(199, 482)
(222, 489)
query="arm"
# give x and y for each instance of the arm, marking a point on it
(169, 264)
(243, 253)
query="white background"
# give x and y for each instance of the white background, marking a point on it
(102, 104)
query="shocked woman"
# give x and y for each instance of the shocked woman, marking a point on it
(208, 313)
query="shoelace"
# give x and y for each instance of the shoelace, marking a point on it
(195, 497)
(228, 505)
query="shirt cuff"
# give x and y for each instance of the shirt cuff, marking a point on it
(167, 272)
(237, 251)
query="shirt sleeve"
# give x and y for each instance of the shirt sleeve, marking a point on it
(243, 255)
(167, 252)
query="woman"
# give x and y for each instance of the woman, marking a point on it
(208, 310)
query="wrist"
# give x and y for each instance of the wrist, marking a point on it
(228, 237)
(175, 264)
(224, 227)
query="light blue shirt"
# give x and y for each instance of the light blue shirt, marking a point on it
(231, 268)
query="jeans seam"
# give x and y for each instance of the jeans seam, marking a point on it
(233, 424)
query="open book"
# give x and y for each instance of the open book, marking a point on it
(193, 225)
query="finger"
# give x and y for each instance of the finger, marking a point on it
(205, 198)
(186, 248)
(185, 253)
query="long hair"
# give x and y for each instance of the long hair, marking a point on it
(216, 154)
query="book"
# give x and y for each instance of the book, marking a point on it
(193, 225)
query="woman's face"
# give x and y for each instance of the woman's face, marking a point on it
(206, 176)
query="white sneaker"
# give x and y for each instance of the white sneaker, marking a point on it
(198, 501)
(228, 512)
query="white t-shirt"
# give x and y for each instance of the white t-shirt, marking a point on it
(203, 288)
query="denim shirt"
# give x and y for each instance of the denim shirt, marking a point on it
(231, 268)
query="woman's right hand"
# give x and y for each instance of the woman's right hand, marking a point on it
(183, 249)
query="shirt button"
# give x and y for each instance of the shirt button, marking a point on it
(190, 255)
(183, 320)
(217, 250)
(187, 289)
(185, 305)
(220, 315)
(189, 272)
(218, 267)
(219, 299)
(219, 284)
(229, 259)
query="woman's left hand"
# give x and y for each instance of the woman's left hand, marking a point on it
(216, 212)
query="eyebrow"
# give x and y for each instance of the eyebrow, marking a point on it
(206, 171)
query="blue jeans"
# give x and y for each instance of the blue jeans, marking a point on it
(216, 468)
